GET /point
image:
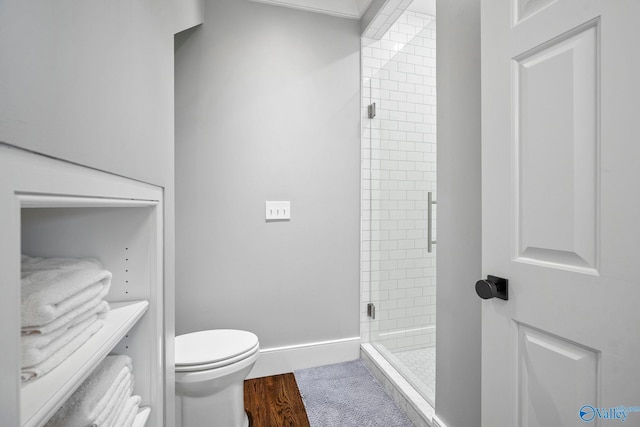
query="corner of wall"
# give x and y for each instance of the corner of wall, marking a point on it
(459, 224)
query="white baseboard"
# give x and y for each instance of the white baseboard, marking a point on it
(280, 360)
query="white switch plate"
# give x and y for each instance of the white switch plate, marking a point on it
(278, 210)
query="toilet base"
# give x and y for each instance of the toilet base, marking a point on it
(247, 421)
(222, 409)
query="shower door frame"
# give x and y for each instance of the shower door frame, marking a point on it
(388, 233)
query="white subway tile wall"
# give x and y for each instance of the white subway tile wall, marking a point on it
(398, 171)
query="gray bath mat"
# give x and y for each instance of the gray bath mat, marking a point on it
(347, 395)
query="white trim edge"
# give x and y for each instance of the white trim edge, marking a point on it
(437, 422)
(405, 391)
(280, 360)
(350, 9)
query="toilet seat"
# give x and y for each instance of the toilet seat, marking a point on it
(204, 350)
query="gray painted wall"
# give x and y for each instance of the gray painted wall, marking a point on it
(459, 222)
(90, 82)
(267, 103)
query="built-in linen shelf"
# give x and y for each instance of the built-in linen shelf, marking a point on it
(142, 417)
(62, 201)
(41, 398)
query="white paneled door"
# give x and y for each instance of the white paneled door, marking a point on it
(561, 212)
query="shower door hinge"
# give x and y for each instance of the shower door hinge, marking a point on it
(430, 203)
(371, 310)
(372, 110)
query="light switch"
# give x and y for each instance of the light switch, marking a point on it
(278, 210)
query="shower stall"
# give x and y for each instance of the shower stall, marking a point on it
(399, 210)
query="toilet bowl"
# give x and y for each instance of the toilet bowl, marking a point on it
(211, 367)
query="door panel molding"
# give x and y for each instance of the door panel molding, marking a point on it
(555, 378)
(556, 151)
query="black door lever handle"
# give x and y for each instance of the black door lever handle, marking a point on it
(493, 287)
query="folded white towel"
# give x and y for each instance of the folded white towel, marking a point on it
(95, 305)
(123, 392)
(49, 294)
(133, 413)
(38, 264)
(37, 348)
(117, 409)
(112, 417)
(96, 393)
(132, 416)
(33, 372)
(107, 418)
(129, 412)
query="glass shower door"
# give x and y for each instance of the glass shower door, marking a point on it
(399, 215)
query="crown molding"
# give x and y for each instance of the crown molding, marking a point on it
(351, 9)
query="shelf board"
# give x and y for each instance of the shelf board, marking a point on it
(41, 398)
(142, 417)
(61, 201)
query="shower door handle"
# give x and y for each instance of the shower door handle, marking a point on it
(430, 203)
(493, 287)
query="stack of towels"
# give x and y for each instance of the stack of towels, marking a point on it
(62, 307)
(104, 399)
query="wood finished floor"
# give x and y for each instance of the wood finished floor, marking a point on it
(274, 401)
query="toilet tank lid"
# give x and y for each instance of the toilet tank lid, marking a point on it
(197, 348)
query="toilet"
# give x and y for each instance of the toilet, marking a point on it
(211, 367)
